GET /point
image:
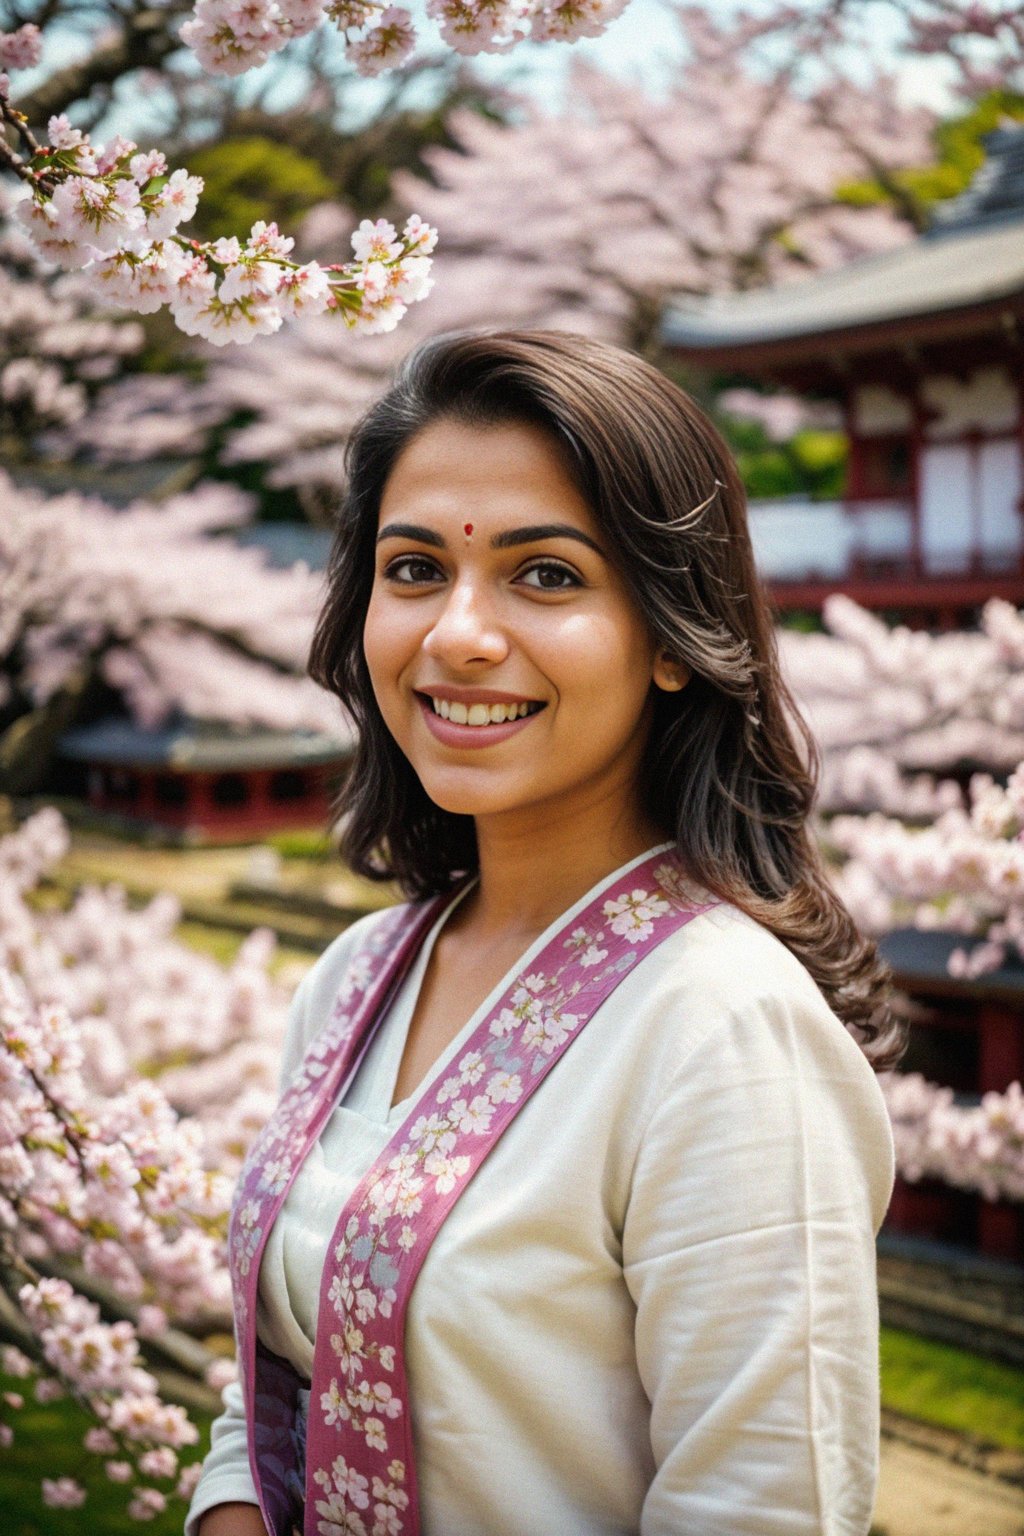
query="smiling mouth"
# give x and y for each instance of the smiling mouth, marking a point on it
(480, 714)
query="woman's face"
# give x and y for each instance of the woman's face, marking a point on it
(495, 600)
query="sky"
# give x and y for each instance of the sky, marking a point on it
(642, 46)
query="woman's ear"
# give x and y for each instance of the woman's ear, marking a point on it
(670, 673)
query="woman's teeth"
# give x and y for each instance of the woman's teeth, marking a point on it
(480, 714)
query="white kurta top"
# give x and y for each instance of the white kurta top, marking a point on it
(653, 1310)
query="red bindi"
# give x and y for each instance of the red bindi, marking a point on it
(467, 529)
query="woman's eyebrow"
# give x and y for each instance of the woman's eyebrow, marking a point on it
(539, 531)
(411, 531)
(506, 540)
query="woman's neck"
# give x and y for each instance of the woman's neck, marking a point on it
(532, 870)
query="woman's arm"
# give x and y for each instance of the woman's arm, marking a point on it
(232, 1520)
(226, 1482)
(224, 1502)
(749, 1251)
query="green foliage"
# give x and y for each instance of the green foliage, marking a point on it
(311, 844)
(942, 1385)
(959, 152)
(252, 178)
(48, 1443)
(360, 161)
(813, 463)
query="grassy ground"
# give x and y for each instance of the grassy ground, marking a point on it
(927, 1381)
(223, 945)
(48, 1443)
(946, 1386)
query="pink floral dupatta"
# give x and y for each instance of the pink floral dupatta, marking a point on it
(359, 1469)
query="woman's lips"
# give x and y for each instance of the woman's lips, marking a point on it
(452, 735)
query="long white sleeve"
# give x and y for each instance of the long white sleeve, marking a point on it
(226, 1476)
(748, 1249)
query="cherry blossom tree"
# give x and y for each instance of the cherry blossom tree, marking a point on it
(892, 708)
(55, 352)
(979, 1148)
(149, 607)
(113, 1207)
(584, 219)
(978, 43)
(903, 719)
(115, 213)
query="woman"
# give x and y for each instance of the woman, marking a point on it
(604, 1088)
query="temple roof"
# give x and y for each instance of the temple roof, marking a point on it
(198, 744)
(285, 544)
(969, 260)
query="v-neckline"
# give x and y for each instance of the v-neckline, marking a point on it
(401, 1108)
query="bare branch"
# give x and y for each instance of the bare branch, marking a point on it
(145, 42)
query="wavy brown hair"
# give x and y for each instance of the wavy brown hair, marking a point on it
(730, 769)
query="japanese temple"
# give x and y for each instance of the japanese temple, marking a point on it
(203, 779)
(922, 347)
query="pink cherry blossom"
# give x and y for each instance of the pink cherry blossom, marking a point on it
(62, 1493)
(21, 49)
(385, 45)
(112, 213)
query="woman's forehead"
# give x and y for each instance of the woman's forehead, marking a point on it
(503, 470)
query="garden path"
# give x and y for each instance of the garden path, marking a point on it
(922, 1494)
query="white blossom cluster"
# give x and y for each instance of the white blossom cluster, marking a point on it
(56, 353)
(891, 708)
(99, 1172)
(232, 36)
(21, 49)
(144, 1004)
(115, 212)
(979, 1147)
(964, 874)
(98, 1169)
(884, 703)
(168, 614)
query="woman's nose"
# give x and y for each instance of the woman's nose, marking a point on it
(467, 629)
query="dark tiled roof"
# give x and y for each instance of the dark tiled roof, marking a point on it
(198, 744)
(973, 255)
(285, 544)
(996, 193)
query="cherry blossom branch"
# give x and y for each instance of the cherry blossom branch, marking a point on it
(229, 38)
(978, 1147)
(116, 213)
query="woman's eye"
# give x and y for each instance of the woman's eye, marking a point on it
(550, 577)
(411, 570)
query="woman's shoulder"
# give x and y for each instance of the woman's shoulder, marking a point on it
(741, 1048)
(725, 986)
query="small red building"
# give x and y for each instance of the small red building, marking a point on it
(923, 349)
(203, 778)
(969, 1035)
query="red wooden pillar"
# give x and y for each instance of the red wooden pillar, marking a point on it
(259, 804)
(1000, 1046)
(915, 447)
(1000, 1063)
(146, 804)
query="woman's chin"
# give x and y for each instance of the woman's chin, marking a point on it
(457, 793)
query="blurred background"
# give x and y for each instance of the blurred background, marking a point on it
(813, 219)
